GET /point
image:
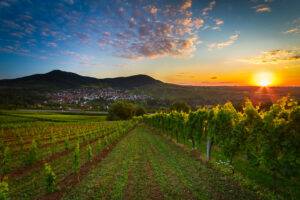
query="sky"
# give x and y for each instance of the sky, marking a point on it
(188, 42)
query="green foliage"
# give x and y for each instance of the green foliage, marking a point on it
(32, 155)
(270, 139)
(140, 111)
(180, 106)
(90, 154)
(21, 142)
(3, 190)
(67, 143)
(5, 160)
(39, 143)
(99, 146)
(76, 162)
(50, 179)
(121, 110)
(53, 145)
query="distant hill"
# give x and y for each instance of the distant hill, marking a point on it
(58, 79)
(30, 88)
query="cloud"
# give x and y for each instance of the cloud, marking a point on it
(82, 36)
(12, 25)
(187, 4)
(214, 77)
(127, 29)
(262, 8)
(21, 52)
(70, 1)
(124, 65)
(189, 75)
(18, 34)
(131, 22)
(50, 44)
(76, 55)
(274, 57)
(4, 4)
(210, 7)
(151, 9)
(292, 30)
(161, 46)
(219, 22)
(91, 64)
(223, 44)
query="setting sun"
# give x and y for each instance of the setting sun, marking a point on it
(264, 83)
(264, 79)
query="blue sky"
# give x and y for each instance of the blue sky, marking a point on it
(213, 42)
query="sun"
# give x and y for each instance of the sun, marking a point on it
(264, 79)
(264, 83)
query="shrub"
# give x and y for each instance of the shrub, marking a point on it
(76, 162)
(121, 111)
(39, 143)
(99, 146)
(21, 142)
(180, 106)
(90, 154)
(67, 144)
(50, 179)
(32, 155)
(3, 190)
(140, 111)
(4, 161)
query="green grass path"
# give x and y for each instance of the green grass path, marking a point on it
(145, 165)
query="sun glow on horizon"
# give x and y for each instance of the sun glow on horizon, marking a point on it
(264, 79)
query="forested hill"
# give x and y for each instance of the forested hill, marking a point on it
(58, 79)
(162, 94)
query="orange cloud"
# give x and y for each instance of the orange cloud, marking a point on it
(274, 57)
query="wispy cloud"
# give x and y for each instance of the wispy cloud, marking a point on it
(292, 30)
(274, 57)
(50, 44)
(82, 36)
(91, 64)
(76, 55)
(221, 45)
(124, 65)
(210, 7)
(262, 8)
(296, 27)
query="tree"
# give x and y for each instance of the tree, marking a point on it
(140, 111)
(121, 110)
(180, 106)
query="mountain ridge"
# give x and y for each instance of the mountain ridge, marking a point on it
(58, 79)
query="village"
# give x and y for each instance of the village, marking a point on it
(81, 97)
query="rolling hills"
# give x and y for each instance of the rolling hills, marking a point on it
(31, 87)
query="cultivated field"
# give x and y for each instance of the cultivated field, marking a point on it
(85, 157)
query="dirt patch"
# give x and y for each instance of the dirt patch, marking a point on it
(154, 188)
(130, 182)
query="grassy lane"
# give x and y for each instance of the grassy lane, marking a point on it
(145, 165)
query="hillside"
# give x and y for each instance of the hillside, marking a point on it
(58, 79)
(28, 89)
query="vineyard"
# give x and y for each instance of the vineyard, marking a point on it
(261, 146)
(216, 153)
